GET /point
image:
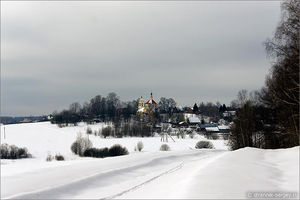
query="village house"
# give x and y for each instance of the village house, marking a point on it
(194, 122)
(188, 113)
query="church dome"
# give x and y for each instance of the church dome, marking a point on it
(151, 100)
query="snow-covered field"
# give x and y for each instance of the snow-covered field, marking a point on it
(43, 138)
(183, 172)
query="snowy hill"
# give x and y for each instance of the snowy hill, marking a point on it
(183, 172)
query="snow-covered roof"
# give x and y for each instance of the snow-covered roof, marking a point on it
(206, 125)
(232, 112)
(194, 120)
(212, 129)
(180, 123)
(226, 114)
(223, 127)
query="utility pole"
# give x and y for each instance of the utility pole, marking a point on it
(4, 132)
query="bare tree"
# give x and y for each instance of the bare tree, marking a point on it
(282, 85)
(75, 108)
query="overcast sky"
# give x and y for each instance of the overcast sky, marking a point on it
(56, 53)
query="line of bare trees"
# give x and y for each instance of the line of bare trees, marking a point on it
(270, 118)
(99, 108)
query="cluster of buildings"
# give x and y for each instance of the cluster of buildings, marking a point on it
(188, 120)
(205, 125)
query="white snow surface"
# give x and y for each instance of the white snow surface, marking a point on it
(223, 127)
(184, 172)
(194, 120)
(216, 129)
(44, 138)
(232, 175)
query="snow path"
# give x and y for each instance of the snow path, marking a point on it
(100, 178)
(148, 181)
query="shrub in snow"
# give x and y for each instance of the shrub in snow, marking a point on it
(225, 136)
(80, 145)
(59, 157)
(117, 150)
(180, 134)
(118, 133)
(215, 136)
(88, 152)
(99, 133)
(61, 125)
(89, 130)
(140, 146)
(164, 147)
(139, 129)
(23, 153)
(95, 133)
(49, 158)
(106, 131)
(97, 153)
(204, 145)
(4, 151)
(13, 152)
(192, 135)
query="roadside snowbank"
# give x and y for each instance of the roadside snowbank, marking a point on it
(234, 175)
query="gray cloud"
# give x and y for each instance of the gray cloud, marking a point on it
(54, 53)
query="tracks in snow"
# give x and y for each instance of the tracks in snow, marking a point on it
(114, 183)
(144, 183)
(173, 169)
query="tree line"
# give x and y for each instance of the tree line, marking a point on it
(109, 108)
(112, 109)
(269, 118)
